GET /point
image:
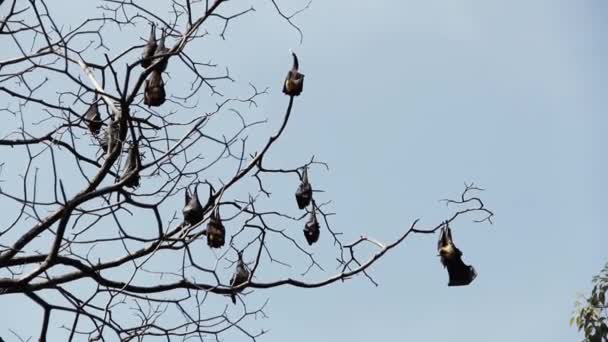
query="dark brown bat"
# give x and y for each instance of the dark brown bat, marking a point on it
(312, 229)
(240, 276)
(294, 82)
(131, 173)
(161, 49)
(215, 230)
(451, 258)
(304, 191)
(150, 48)
(193, 211)
(93, 118)
(154, 93)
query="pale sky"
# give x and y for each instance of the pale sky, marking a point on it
(407, 100)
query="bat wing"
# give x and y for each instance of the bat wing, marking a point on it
(442, 242)
(449, 234)
(460, 274)
(287, 78)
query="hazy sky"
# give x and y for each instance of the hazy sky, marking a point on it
(407, 100)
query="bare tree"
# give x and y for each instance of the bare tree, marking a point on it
(101, 141)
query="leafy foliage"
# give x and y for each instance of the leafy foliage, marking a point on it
(591, 314)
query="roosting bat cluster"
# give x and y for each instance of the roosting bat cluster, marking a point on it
(194, 213)
(100, 269)
(304, 199)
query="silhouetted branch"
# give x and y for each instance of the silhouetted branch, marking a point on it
(104, 140)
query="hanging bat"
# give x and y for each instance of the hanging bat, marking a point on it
(451, 258)
(294, 82)
(193, 211)
(154, 92)
(161, 49)
(150, 48)
(240, 276)
(131, 174)
(311, 229)
(215, 230)
(110, 135)
(304, 191)
(93, 118)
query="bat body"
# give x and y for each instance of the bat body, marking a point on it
(154, 92)
(240, 276)
(193, 211)
(150, 48)
(131, 174)
(312, 229)
(215, 230)
(93, 118)
(304, 191)
(294, 82)
(161, 49)
(110, 135)
(459, 273)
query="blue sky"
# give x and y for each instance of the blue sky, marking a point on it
(407, 100)
(506, 94)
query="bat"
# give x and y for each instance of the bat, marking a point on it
(110, 135)
(150, 48)
(240, 276)
(193, 211)
(93, 118)
(304, 191)
(131, 174)
(294, 82)
(215, 230)
(311, 229)
(161, 49)
(459, 273)
(154, 92)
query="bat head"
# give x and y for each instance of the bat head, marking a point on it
(472, 273)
